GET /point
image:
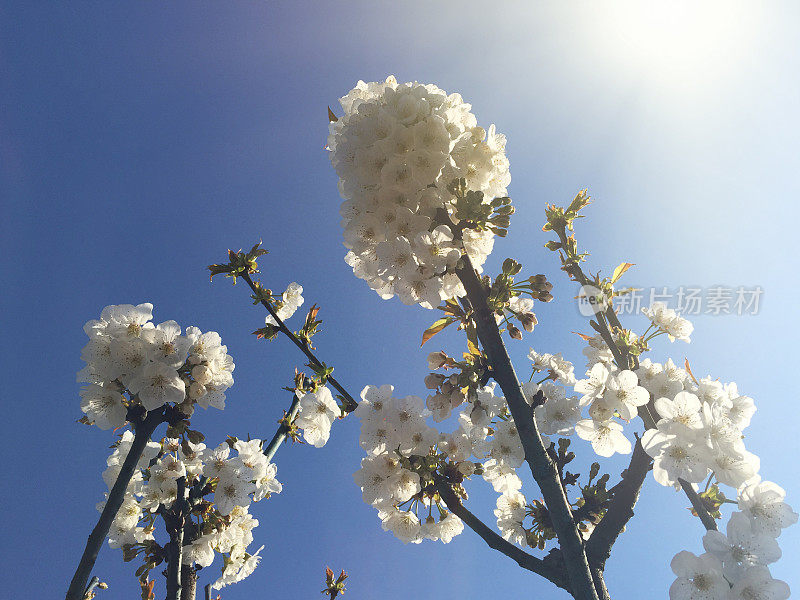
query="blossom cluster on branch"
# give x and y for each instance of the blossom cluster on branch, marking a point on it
(219, 488)
(403, 453)
(134, 368)
(132, 362)
(698, 434)
(287, 305)
(396, 150)
(693, 428)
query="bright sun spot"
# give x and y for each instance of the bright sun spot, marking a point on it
(689, 42)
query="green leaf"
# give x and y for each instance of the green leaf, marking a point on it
(436, 328)
(553, 245)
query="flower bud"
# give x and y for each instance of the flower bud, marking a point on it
(434, 380)
(436, 360)
(538, 280)
(528, 321)
(194, 359)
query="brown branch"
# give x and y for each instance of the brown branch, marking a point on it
(541, 466)
(620, 510)
(175, 520)
(116, 496)
(350, 402)
(189, 581)
(600, 584)
(496, 541)
(698, 506)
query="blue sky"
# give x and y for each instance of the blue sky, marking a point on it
(139, 142)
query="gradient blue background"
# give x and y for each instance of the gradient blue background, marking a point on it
(139, 141)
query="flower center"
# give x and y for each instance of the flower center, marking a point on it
(702, 581)
(678, 453)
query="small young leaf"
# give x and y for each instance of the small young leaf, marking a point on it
(689, 370)
(436, 328)
(583, 336)
(618, 272)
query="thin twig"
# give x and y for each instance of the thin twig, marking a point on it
(115, 498)
(93, 583)
(283, 430)
(351, 403)
(698, 506)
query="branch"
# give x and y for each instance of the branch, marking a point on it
(175, 523)
(115, 498)
(496, 542)
(698, 506)
(189, 582)
(283, 430)
(541, 466)
(350, 402)
(622, 358)
(600, 584)
(620, 511)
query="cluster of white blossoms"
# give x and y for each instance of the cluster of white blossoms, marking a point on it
(398, 443)
(232, 481)
(734, 566)
(400, 446)
(130, 360)
(290, 301)
(317, 412)
(396, 149)
(668, 321)
(698, 433)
